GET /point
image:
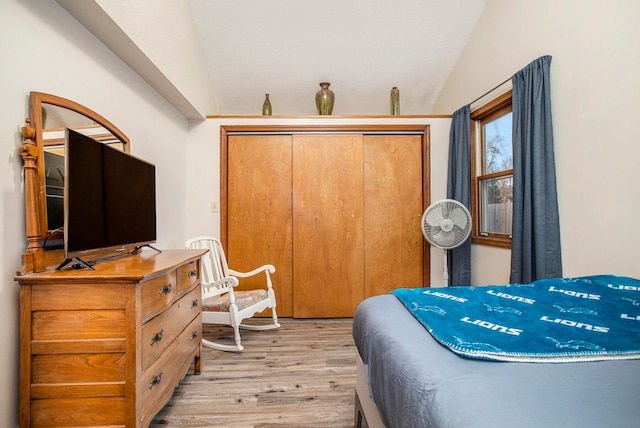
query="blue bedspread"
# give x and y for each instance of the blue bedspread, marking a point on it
(551, 320)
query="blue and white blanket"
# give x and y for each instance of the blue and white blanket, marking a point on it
(551, 320)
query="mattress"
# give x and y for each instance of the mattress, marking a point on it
(417, 382)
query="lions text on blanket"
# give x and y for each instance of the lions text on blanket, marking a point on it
(551, 320)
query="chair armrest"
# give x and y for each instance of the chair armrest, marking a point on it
(267, 269)
(264, 268)
(213, 289)
(232, 280)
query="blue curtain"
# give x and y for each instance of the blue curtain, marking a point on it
(458, 188)
(535, 252)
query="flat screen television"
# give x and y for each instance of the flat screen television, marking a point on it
(110, 199)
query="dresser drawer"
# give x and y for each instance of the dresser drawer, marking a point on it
(161, 331)
(188, 275)
(91, 370)
(87, 411)
(156, 294)
(57, 326)
(159, 380)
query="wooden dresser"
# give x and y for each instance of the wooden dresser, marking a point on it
(107, 347)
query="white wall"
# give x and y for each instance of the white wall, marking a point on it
(595, 89)
(160, 43)
(44, 49)
(204, 174)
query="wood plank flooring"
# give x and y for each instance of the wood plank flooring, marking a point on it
(300, 375)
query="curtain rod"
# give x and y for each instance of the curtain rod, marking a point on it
(489, 91)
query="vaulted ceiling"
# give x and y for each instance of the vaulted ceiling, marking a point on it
(220, 57)
(362, 47)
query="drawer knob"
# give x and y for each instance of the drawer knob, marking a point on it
(157, 338)
(156, 381)
(194, 304)
(193, 273)
(165, 290)
(194, 334)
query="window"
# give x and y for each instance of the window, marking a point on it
(492, 172)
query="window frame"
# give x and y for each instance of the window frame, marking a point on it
(484, 114)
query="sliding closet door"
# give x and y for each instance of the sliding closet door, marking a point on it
(393, 193)
(337, 214)
(327, 225)
(259, 211)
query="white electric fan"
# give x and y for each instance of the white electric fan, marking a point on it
(446, 224)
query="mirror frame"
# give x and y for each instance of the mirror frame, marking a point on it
(35, 259)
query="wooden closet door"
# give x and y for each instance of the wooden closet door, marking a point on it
(393, 245)
(259, 212)
(327, 225)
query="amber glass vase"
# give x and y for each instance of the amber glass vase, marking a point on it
(324, 99)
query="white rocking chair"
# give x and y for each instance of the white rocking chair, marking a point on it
(220, 303)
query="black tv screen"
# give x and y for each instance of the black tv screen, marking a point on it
(110, 197)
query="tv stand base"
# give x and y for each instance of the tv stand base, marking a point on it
(79, 264)
(138, 248)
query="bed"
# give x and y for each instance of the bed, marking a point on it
(408, 378)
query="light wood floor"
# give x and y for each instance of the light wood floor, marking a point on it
(300, 375)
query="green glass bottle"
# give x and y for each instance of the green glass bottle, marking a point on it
(266, 106)
(395, 101)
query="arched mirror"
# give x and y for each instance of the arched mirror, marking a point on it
(43, 156)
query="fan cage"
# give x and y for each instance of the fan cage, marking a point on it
(446, 224)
